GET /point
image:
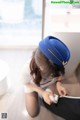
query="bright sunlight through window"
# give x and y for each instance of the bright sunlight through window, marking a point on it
(20, 22)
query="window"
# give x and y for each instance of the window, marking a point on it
(20, 22)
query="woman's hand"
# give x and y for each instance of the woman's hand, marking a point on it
(61, 90)
(46, 98)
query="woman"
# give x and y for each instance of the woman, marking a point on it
(46, 68)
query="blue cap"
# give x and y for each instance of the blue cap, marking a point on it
(55, 50)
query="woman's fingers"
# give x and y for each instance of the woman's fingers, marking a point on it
(63, 92)
(46, 97)
(49, 102)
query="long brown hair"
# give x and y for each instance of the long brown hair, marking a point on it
(35, 71)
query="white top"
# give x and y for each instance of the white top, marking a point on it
(26, 78)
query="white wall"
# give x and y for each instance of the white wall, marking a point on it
(72, 40)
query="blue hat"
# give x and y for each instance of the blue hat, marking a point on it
(55, 50)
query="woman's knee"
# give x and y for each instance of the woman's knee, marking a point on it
(34, 114)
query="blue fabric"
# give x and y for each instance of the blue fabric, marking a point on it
(55, 50)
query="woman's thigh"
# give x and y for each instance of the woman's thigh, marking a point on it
(32, 104)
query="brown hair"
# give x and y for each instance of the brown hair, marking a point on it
(35, 71)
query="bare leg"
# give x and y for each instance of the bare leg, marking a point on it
(32, 104)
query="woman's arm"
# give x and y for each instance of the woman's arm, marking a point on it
(35, 88)
(43, 93)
